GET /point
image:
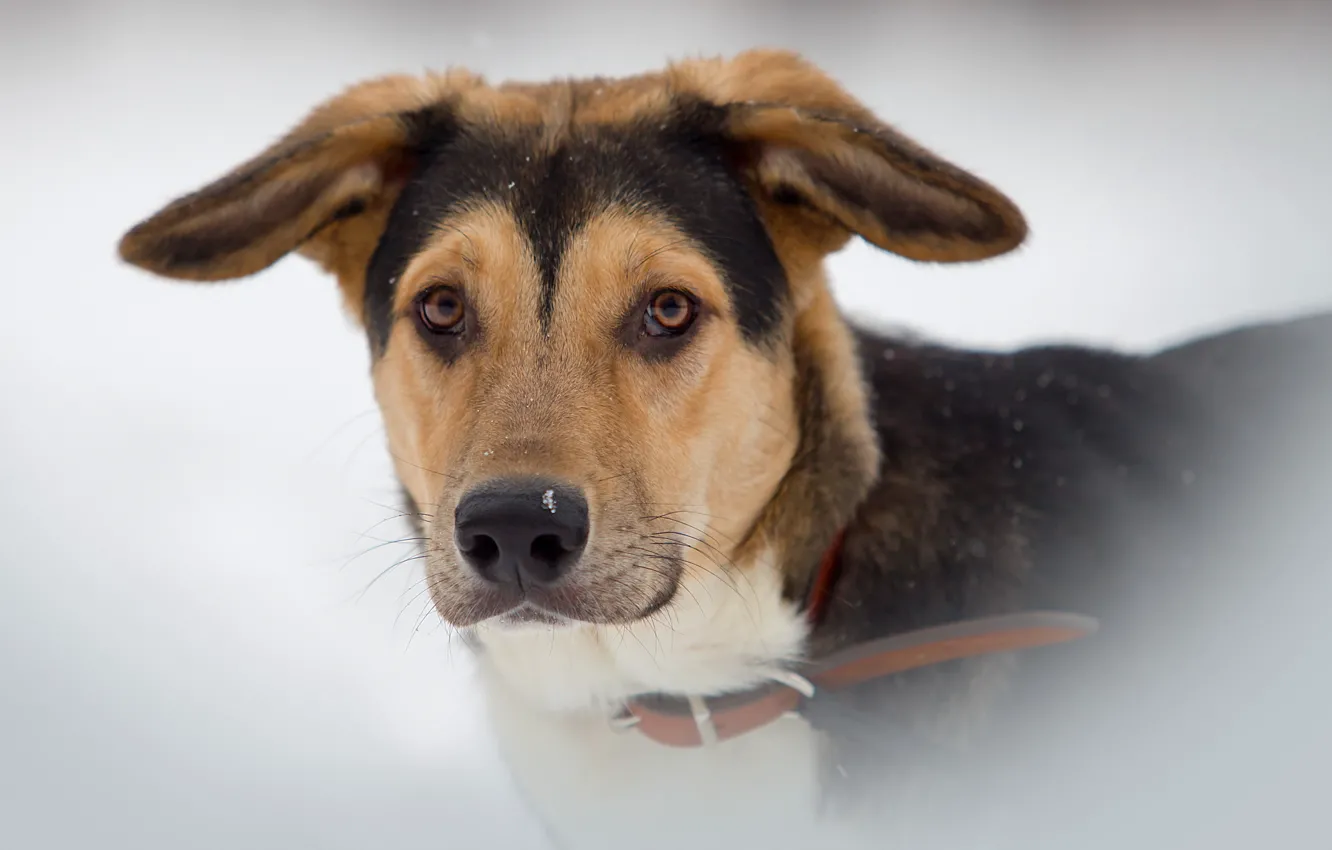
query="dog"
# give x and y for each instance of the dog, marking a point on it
(733, 565)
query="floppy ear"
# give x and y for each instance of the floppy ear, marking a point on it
(807, 141)
(877, 183)
(341, 160)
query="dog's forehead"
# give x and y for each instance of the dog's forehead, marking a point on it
(555, 168)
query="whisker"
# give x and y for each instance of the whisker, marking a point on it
(424, 468)
(623, 629)
(398, 510)
(351, 456)
(380, 545)
(728, 567)
(388, 570)
(419, 620)
(651, 254)
(673, 559)
(670, 517)
(323, 444)
(468, 257)
(431, 583)
(686, 565)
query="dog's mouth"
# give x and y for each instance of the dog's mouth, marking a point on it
(622, 594)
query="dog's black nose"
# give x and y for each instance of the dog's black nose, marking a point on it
(524, 531)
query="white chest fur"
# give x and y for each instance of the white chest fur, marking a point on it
(596, 788)
(552, 693)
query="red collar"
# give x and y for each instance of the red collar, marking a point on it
(830, 567)
(694, 721)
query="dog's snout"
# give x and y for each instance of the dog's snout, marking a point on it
(522, 531)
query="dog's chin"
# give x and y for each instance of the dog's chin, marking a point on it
(526, 616)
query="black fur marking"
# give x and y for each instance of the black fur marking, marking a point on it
(678, 168)
(1022, 450)
(1057, 471)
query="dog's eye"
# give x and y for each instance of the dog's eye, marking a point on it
(441, 310)
(669, 313)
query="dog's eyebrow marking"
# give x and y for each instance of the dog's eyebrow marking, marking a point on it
(466, 255)
(637, 265)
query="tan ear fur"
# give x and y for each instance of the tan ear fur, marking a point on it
(813, 142)
(343, 158)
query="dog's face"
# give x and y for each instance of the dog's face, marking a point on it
(584, 336)
(605, 354)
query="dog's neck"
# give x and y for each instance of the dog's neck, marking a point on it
(731, 631)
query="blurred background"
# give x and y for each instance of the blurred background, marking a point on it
(196, 493)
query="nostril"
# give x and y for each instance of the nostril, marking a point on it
(482, 551)
(548, 552)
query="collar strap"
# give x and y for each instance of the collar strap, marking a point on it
(695, 721)
(698, 721)
(820, 592)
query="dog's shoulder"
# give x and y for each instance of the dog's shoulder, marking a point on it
(1000, 468)
(1049, 474)
(1165, 494)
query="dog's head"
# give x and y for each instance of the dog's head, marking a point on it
(604, 350)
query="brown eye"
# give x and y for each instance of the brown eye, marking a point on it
(669, 313)
(441, 310)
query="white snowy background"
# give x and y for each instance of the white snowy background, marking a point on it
(192, 477)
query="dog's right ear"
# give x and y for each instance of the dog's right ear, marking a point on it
(803, 141)
(343, 159)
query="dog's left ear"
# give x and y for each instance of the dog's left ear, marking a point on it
(805, 140)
